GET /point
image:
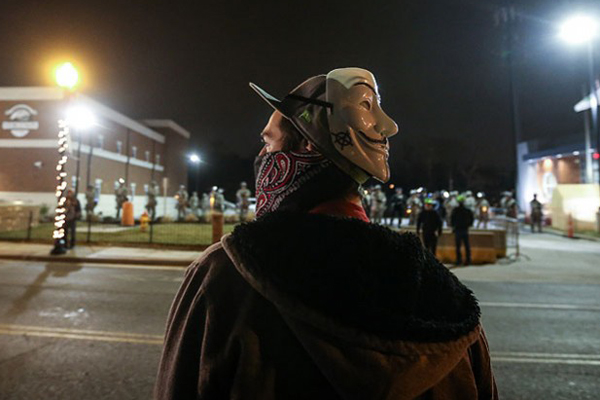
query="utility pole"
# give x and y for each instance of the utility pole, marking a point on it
(507, 18)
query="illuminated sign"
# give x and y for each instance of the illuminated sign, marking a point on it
(20, 122)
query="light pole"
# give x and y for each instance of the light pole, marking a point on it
(66, 77)
(81, 120)
(578, 30)
(195, 159)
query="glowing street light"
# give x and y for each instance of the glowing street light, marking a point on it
(579, 29)
(66, 76)
(195, 159)
(80, 118)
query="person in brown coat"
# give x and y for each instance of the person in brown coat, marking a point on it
(311, 301)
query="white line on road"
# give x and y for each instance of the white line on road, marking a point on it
(542, 355)
(545, 361)
(140, 338)
(581, 307)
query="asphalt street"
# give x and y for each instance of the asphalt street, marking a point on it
(92, 331)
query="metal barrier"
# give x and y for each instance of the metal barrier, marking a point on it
(512, 228)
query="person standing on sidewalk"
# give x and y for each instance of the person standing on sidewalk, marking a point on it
(537, 214)
(72, 214)
(431, 223)
(311, 300)
(461, 220)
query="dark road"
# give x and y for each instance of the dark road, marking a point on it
(89, 331)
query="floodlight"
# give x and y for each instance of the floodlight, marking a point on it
(579, 29)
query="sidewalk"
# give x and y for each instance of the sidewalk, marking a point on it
(576, 235)
(544, 258)
(97, 254)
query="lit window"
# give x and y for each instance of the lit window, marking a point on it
(73, 182)
(119, 146)
(158, 159)
(133, 151)
(133, 185)
(147, 156)
(100, 142)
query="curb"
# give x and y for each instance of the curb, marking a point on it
(88, 260)
(575, 236)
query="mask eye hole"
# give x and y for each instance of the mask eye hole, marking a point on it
(366, 105)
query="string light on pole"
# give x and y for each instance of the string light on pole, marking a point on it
(66, 77)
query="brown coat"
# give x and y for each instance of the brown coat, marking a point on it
(291, 307)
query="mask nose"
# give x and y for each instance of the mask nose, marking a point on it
(385, 125)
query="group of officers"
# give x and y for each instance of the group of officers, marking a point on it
(391, 210)
(213, 201)
(430, 211)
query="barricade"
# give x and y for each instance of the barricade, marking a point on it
(486, 246)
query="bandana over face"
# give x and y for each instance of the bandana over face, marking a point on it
(281, 173)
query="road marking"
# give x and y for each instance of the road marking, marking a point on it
(581, 307)
(140, 338)
(544, 361)
(541, 355)
(132, 266)
(91, 264)
(546, 358)
(80, 334)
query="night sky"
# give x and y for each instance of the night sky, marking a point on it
(439, 65)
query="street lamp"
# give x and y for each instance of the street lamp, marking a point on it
(66, 77)
(79, 119)
(195, 159)
(577, 30)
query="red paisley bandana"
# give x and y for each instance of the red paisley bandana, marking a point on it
(282, 173)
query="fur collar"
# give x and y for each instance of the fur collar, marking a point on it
(359, 275)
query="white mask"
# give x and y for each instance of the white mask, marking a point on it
(359, 127)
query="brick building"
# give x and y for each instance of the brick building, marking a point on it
(115, 147)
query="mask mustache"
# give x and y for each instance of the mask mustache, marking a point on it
(376, 141)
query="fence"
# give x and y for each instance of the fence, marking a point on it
(191, 232)
(512, 228)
